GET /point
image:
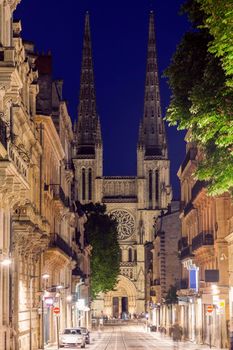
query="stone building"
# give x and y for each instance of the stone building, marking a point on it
(135, 201)
(165, 271)
(38, 247)
(203, 248)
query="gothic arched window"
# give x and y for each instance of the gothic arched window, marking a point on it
(157, 185)
(89, 184)
(135, 255)
(130, 255)
(83, 185)
(150, 185)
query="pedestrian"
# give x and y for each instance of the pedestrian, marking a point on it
(177, 332)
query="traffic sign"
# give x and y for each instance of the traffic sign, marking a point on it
(210, 308)
(56, 310)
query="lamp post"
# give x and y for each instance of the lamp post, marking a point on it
(32, 277)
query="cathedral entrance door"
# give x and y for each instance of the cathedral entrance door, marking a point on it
(115, 307)
(124, 303)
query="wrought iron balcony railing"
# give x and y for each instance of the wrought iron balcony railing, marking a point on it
(58, 242)
(185, 252)
(59, 194)
(197, 188)
(202, 239)
(190, 155)
(183, 283)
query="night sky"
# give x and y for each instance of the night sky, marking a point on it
(119, 30)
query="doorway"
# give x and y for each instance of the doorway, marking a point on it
(115, 307)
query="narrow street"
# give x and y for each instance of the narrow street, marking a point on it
(133, 337)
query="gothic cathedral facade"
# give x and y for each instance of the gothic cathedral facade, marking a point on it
(135, 201)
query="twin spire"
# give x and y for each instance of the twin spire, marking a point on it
(88, 131)
(152, 137)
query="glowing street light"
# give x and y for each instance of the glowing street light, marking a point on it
(6, 262)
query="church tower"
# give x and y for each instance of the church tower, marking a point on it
(153, 166)
(88, 148)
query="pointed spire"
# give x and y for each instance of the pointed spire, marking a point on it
(152, 123)
(87, 114)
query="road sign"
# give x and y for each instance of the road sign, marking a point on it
(56, 310)
(210, 308)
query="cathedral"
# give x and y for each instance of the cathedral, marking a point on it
(135, 201)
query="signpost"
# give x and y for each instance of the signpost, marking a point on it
(210, 308)
(56, 311)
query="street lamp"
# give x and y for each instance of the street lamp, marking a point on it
(44, 277)
(6, 261)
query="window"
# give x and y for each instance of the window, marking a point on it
(89, 184)
(150, 185)
(157, 185)
(135, 255)
(130, 255)
(83, 185)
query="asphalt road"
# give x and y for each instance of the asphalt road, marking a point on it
(133, 337)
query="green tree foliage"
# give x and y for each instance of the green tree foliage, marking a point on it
(171, 297)
(219, 22)
(101, 234)
(202, 96)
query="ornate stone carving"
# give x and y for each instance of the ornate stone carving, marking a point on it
(125, 223)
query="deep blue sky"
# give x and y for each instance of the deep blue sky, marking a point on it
(119, 31)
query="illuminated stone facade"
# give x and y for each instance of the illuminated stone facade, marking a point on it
(203, 248)
(137, 201)
(38, 220)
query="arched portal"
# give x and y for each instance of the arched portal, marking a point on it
(121, 300)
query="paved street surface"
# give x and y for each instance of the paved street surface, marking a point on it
(133, 337)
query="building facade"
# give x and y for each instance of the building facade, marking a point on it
(135, 202)
(38, 219)
(203, 248)
(165, 271)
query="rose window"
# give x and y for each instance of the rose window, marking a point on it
(125, 223)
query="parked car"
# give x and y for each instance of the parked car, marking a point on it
(86, 334)
(72, 337)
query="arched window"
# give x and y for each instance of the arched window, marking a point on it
(89, 184)
(135, 255)
(150, 185)
(120, 254)
(130, 255)
(83, 185)
(157, 185)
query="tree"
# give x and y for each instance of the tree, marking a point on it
(202, 96)
(101, 234)
(171, 297)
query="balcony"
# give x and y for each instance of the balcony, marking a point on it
(190, 156)
(58, 242)
(203, 239)
(188, 207)
(3, 133)
(183, 283)
(185, 252)
(59, 194)
(199, 185)
(182, 243)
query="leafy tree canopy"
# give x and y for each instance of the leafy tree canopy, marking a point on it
(101, 233)
(200, 76)
(171, 297)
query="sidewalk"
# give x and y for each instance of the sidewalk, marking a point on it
(182, 344)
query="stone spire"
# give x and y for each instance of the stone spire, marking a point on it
(88, 126)
(152, 131)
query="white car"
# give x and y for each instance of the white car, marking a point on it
(72, 337)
